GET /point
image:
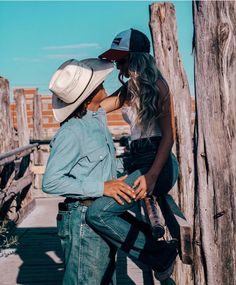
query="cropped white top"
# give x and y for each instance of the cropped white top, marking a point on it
(129, 116)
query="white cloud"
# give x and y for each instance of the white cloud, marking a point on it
(74, 46)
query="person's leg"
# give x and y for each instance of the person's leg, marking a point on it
(89, 259)
(63, 231)
(168, 176)
(166, 180)
(104, 216)
(143, 153)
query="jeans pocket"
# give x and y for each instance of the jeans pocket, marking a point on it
(63, 224)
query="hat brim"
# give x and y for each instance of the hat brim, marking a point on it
(114, 54)
(101, 70)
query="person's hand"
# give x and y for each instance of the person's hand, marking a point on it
(117, 188)
(145, 185)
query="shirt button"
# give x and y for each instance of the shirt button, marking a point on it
(101, 157)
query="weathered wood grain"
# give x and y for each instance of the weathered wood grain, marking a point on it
(37, 117)
(164, 34)
(215, 77)
(152, 212)
(16, 153)
(15, 187)
(37, 127)
(22, 123)
(6, 131)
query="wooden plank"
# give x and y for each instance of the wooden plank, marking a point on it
(178, 227)
(215, 79)
(37, 117)
(6, 130)
(22, 123)
(17, 217)
(15, 187)
(7, 160)
(165, 41)
(37, 127)
(17, 153)
(153, 217)
(38, 169)
(163, 27)
(24, 211)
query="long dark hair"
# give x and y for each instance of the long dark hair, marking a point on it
(142, 91)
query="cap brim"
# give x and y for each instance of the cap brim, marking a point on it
(62, 110)
(113, 54)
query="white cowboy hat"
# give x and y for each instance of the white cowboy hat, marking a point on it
(74, 81)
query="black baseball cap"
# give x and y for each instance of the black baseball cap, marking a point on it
(127, 41)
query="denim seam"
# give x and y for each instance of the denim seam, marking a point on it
(111, 229)
(109, 204)
(80, 252)
(99, 216)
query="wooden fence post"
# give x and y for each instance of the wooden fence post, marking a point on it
(6, 134)
(164, 34)
(37, 126)
(38, 155)
(215, 77)
(23, 134)
(22, 123)
(6, 131)
(37, 117)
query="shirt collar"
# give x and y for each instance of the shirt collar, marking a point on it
(90, 113)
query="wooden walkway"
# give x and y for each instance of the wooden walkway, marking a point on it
(38, 256)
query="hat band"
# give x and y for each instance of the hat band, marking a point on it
(71, 89)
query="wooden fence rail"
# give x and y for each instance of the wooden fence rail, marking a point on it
(16, 198)
(17, 153)
(17, 156)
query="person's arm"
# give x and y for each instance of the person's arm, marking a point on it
(58, 181)
(112, 102)
(147, 181)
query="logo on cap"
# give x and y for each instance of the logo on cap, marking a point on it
(117, 41)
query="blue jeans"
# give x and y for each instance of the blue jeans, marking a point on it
(141, 157)
(107, 217)
(88, 258)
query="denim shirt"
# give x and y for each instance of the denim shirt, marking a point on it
(82, 158)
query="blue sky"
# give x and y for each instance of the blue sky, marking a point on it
(36, 37)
